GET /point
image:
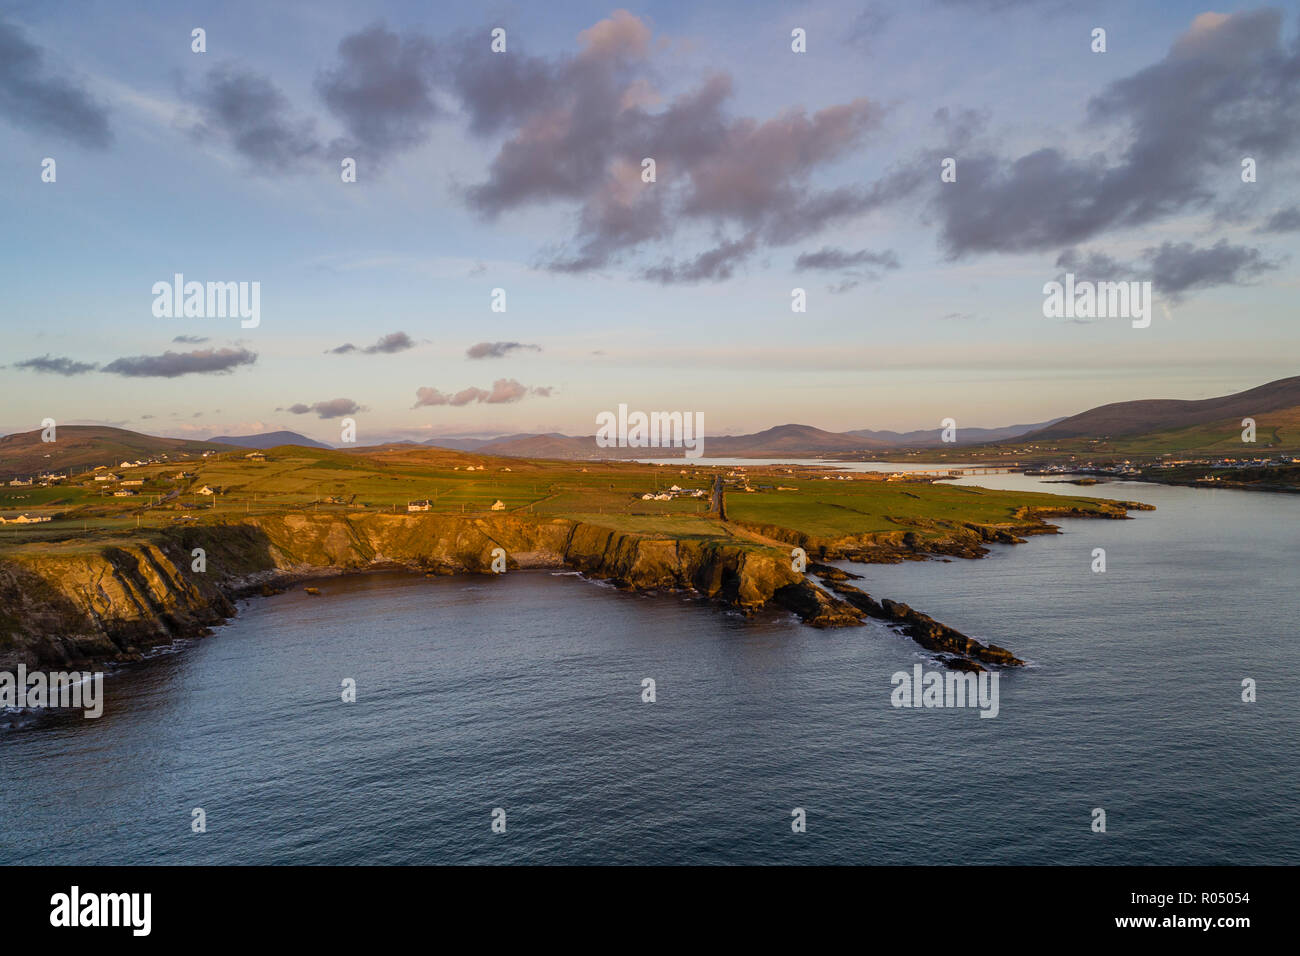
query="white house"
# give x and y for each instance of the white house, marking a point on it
(498, 505)
(421, 505)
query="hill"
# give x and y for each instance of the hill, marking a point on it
(925, 437)
(79, 446)
(268, 440)
(1160, 415)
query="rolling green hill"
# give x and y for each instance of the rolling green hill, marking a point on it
(78, 446)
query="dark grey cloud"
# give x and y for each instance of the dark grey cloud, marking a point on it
(1094, 266)
(334, 408)
(1179, 267)
(1284, 220)
(383, 89)
(1226, 89)
(1173, 268)
(174, 364)
(831, 259)
(483, 350)
(248, 112)
(717, 264)
(56, 365)
(387, 345)
(504, 391)
(498, 90)
(190, 339)
(33, 97)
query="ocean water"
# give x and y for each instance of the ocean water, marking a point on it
(523, 692)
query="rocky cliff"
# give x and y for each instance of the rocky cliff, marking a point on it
(71, 603)
(62, 606)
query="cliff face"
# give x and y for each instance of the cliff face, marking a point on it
(62, 607)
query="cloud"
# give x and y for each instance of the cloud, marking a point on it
(426, 396)
(1178, 267)
(504, 391)
(56, 366)
(389, 344)
(1226, 88)
(577, 129)
(718, 263)
(864, 29)
(334, 408)
(174, 364)
(383, 89)
(247, 111)
(1093, 266)
(190, 339)
(497, 349)
(1284, 220)
(831, 259)
(34, 98)
(1172, 268)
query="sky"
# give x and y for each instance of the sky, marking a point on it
(523, 171)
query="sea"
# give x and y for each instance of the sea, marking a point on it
(540, 717)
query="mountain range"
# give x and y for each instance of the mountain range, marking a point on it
(1166, 425)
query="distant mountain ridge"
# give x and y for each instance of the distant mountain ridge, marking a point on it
(793, 440)
(23, 454)
(1161, 414)
(268, 440)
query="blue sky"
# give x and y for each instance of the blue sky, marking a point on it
(517, 171)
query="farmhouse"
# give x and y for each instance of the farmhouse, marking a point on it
(24, 519)
(421, 505)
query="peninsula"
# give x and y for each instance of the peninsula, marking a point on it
(112, 575)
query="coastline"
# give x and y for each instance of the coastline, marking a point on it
(116, 602)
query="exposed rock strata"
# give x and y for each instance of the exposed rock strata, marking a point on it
(69, 603)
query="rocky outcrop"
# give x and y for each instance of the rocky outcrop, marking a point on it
(816, 607)
(925, 630)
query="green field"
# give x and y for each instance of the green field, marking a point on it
(609, 494)
(831, 509)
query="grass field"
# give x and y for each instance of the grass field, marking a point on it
(835, 508)
(605, 493)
